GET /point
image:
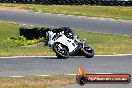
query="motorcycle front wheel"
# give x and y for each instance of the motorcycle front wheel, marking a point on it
(88, 52)
(61, 50)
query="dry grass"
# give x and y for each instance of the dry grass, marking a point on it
(13, 8)
(37, 82)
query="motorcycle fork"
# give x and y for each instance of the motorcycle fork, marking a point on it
(83, 43)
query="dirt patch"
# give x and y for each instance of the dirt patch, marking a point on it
(13, 8)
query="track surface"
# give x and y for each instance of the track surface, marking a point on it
(24, 66)
(51, 20)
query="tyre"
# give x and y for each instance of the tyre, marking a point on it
(88, 52)
(81, 80)
(61, 50)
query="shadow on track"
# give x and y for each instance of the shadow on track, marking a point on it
(52, 58)
(63, 58)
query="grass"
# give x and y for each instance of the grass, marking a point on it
(36, 82)
(8, 30)
(101, 43)
(116, 12)
(107, 43)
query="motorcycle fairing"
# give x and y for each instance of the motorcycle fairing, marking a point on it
(67, 42)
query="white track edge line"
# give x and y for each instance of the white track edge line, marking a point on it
(16, 76)
(55, 56)
(26, 56)
(53, 75)
(43, 75)
(116, 55)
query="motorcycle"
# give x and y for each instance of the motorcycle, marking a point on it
(64, 43)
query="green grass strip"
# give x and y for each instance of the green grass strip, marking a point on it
(101, 43)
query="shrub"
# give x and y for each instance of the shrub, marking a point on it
(22, 41)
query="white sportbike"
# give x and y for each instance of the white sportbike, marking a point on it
(65, 46)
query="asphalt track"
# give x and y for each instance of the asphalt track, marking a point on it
(28, 66)
(41, 66)
(52, 20)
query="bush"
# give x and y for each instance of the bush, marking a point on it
(22, 41)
